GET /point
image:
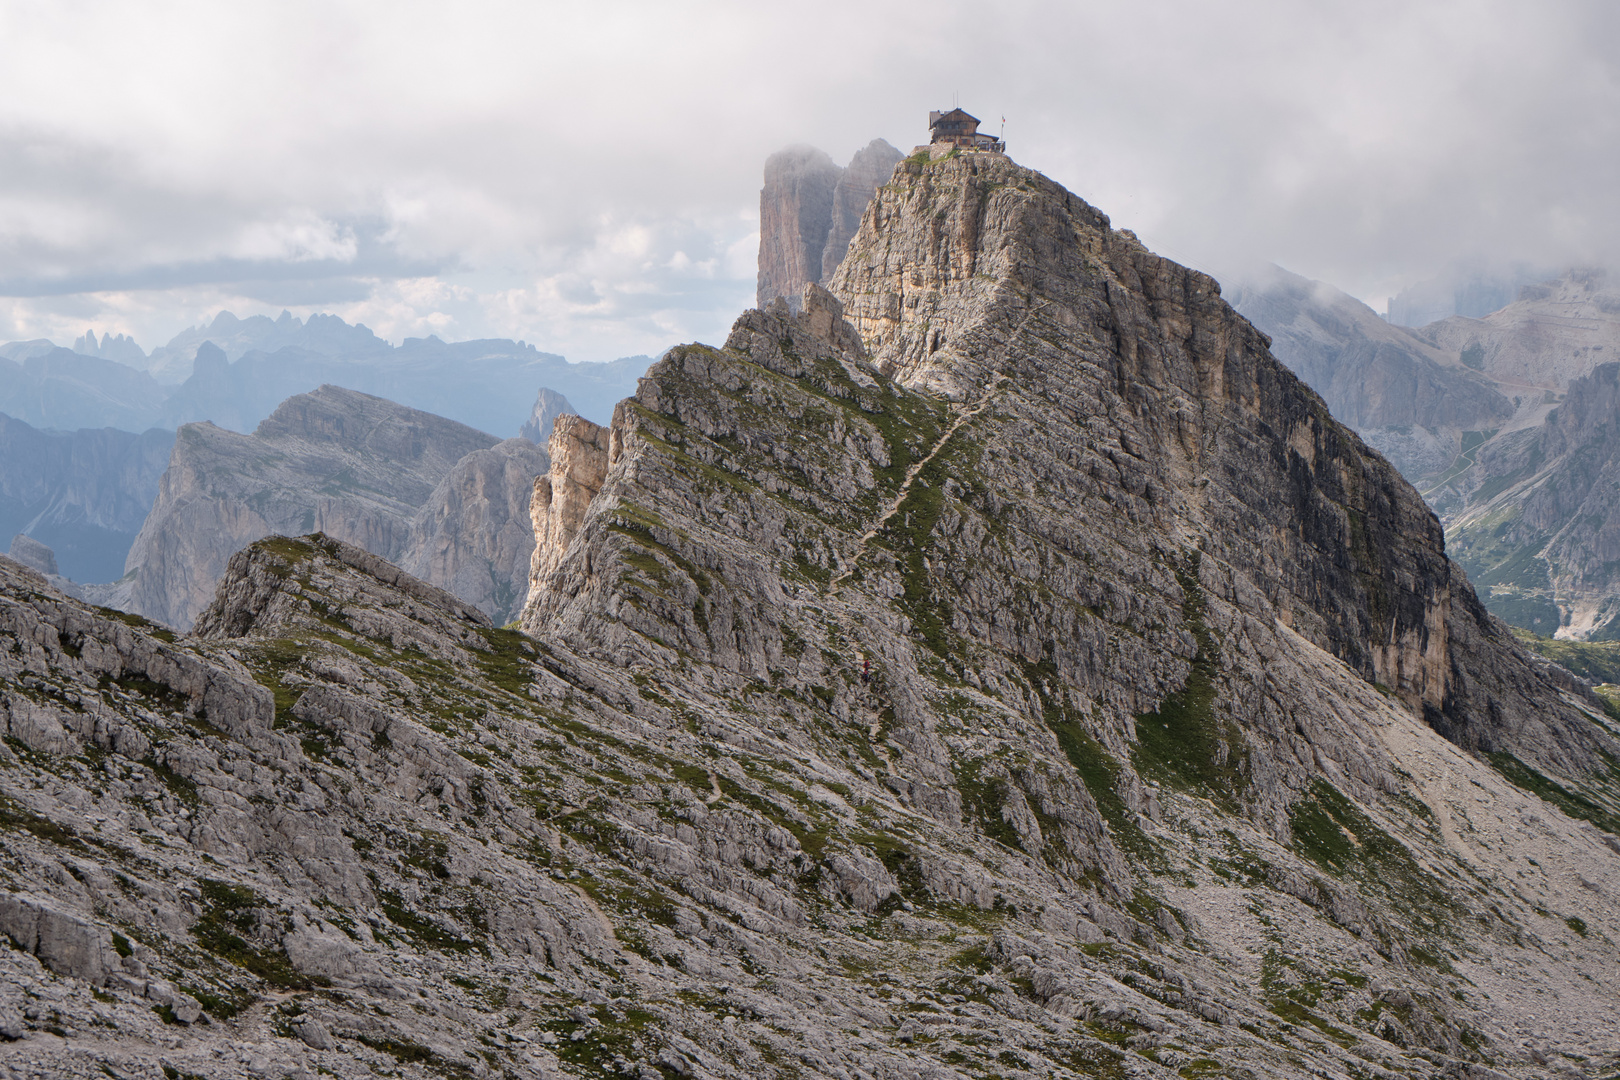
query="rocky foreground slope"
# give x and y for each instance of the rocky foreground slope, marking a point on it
(1025, 677)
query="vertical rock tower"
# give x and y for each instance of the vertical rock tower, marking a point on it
(808, 210)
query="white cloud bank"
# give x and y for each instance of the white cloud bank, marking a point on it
(585, 177)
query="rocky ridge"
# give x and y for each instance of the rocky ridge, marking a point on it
(1024, 676)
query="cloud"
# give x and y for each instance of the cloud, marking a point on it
(586, 177)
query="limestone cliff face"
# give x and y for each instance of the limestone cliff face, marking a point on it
(795, 214)
(867, 171)
(83, 493)
(1414, 402)
(1103, 580)
(1555, 332)
(473, 535)
(985, 283)
(808, 210)
(1541, 533)
(579, 453)
(354, 466)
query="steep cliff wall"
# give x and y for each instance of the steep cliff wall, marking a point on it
(1414, 402)
(473, 535)
(795, 214)
(808, 210)
(352, 465)
(1126, 588)
(548, 405)
(1541, 532)
(867, 171)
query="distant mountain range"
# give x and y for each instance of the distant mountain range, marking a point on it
(82, 493)
(1507, 424)
(234, 372)
(80, 478)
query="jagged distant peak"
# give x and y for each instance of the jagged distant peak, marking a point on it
(119, 347)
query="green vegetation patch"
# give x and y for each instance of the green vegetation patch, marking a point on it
(909, 534)
(1099, 772)
(1332, 832)
(509, 662)
(129, 618)
(404, 1051)
(982, 800)
(1573, 803)
(422, 929)
(229, 913)
(1184, 742)
(1294, 999)
(1598, 661)
(13, 815)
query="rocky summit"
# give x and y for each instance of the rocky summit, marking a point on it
(1001, 666)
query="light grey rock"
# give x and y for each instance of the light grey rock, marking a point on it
(353, 466)
(548, 405)
(1406, 396)
(473, 536)
(33, 554)
(1030, 700)
(314, 1034)
(867, 171)
(808, 210)
(64, 941)
(795, 215)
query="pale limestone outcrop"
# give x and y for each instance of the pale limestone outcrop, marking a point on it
(1410, 399)
(446, 501)
(33, 554)
(65, 942)
(580, 452)
(348, 464)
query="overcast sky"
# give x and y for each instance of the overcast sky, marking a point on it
(586, 176)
